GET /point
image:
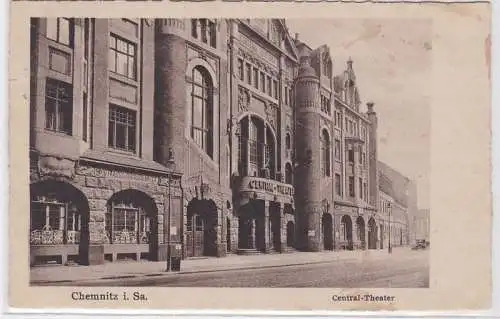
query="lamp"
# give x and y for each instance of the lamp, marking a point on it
(389, 208)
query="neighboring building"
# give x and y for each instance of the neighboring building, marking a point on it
(397, 200)
(201, 136)
(421, 225)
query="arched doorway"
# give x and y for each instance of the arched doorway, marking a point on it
(290, 234)
(131, 218)
(372, 234)
(360, 227)
(201, 228)
(382, 236)
(59, 216)
(327, 229)
(346, 232)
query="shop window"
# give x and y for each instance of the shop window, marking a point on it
(122, 128)
(58, 106)
(127, 223)
(54, 222)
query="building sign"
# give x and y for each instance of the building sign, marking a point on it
(270, 187)
(115, 174)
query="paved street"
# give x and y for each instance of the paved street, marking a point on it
(397, 271)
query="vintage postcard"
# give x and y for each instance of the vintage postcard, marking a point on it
(309, 157)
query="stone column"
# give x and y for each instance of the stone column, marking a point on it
(366, 236)
(253, 233)
(282, 247)
(267, 230)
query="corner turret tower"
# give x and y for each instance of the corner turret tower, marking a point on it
(308, 148)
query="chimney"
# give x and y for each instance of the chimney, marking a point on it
(370, 107)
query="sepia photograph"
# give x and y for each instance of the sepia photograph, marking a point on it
(229, 152)
(177, 154)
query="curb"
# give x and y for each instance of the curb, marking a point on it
(111, 279)
(114, 279)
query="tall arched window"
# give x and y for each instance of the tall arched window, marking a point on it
(325, 153)
(202, 109)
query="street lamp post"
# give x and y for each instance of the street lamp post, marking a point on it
(389, 247)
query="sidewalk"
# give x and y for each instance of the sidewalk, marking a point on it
(133, 269)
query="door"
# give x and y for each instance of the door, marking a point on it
(195, 236)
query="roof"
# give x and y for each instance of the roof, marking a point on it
(393, 183)
(124, 160)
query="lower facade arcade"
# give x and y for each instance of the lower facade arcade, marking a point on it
(88, 213)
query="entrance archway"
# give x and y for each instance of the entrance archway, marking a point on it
(131, 218)
(201, 228)
(290, 234)
(360, 227)
(327, 229)
(372, 234)
(346, 232)
(59, 215)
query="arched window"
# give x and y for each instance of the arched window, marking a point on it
(54, 221)
(325, 153)
(202, 109)
(127, 222)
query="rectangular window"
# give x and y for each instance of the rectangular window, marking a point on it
(360, 155)
(286, 95)
(262, 82)
(122, 129)
(58, 106)
(350, 156)
(241, 76)
(253, 143)
(248, 70)
(365, 189)
(256, 78)
(361, 187)
(275, 89)
(269, 86)
(194, 28)
(351, 186)
(122, 57)
(338, 185)
(337, 149)
(60, 30)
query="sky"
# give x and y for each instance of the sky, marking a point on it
(392, 62)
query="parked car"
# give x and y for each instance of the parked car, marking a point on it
(420, 244)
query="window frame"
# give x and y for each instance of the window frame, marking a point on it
(207, 110)
(112, 124)
(58, 31)
(115, 52)
(63, 106)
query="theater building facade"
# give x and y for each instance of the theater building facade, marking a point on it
(194, 137)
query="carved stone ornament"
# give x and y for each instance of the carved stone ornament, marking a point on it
(243, 99)
(56, 167)
(271, 114)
